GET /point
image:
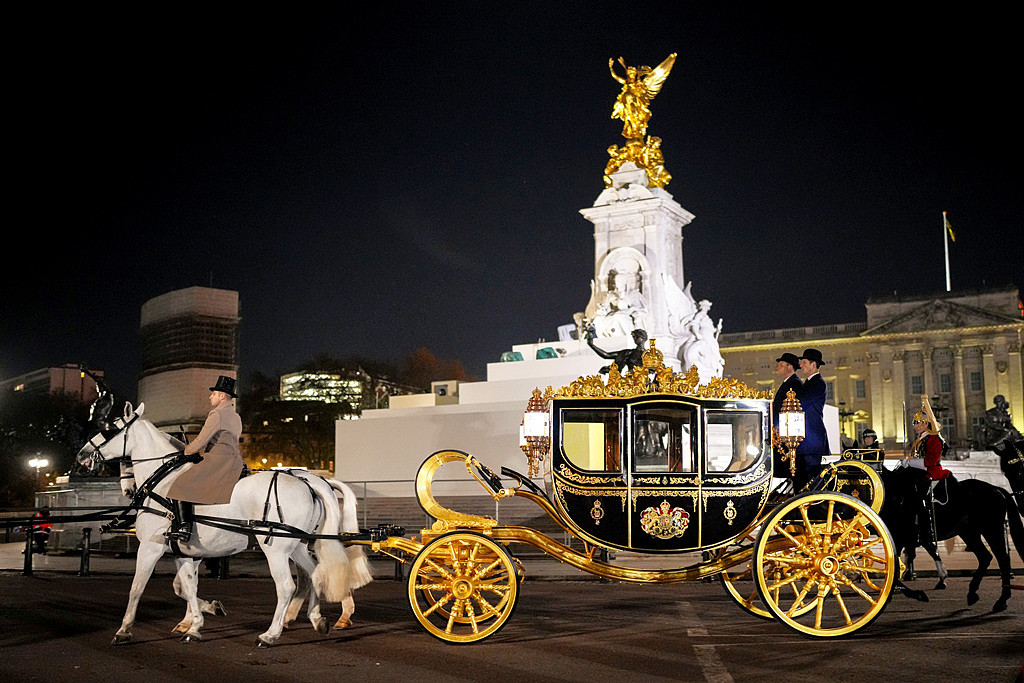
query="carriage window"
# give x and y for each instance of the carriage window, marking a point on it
(662, 440)
(734, 440)
(590, 438)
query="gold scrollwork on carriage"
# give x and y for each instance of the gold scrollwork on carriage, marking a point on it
(664, 521)
(741, 479)
(655, 377)
(562, 488)
(578, 478)
(636, 494)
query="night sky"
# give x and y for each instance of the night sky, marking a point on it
(376, 181)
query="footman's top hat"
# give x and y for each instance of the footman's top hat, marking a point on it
(789, 358)
(813, 355)
(225, 384)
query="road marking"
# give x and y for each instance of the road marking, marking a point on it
(707, 658)
(711, 664)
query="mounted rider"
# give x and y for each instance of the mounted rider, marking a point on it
(923, 468)
(218, 461)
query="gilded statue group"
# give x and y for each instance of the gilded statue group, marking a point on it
(639, 86)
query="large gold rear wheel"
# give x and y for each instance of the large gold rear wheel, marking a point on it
(837, 560)
(463, 587)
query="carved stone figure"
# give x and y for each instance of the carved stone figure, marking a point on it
(702, 349)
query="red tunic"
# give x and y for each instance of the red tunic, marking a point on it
(930, 449)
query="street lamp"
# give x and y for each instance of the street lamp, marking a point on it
(39, 464)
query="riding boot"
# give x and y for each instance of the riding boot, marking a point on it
(181, 527)
(928, 533)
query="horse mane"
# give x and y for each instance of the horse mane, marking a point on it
(161, 438)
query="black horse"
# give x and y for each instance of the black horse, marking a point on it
(971, 509)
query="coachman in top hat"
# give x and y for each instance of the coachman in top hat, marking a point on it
(811, 394)
(218, 460)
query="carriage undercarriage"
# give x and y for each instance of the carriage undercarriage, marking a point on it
(821, 562)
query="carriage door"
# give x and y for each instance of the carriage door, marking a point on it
(663, 477)
(736, 472)
(587, 473)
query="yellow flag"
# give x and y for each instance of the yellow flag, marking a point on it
(949, 227)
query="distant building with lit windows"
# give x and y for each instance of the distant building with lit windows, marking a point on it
(65, 379)
(354, 388)
(959, 348)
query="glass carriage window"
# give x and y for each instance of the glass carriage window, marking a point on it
(734, 440)
(662, 440)
(590, 438)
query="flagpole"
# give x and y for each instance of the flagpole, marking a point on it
(945, 245)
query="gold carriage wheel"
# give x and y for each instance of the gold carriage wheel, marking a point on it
(856, 468)
(839, 559)
(463, 587)
(740, 585)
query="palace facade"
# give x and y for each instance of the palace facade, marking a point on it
(959, 348)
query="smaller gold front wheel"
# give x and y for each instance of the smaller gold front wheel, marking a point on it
(824, 564)
(463, 587)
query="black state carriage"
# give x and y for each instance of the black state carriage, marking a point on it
(653, 463)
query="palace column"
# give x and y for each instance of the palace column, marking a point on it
(878, 417)
(929, 375)
(899, 390)
(959, 392)
(1015, 397)
(988, 368)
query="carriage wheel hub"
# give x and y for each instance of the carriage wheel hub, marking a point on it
(828, 565)
(462, 589)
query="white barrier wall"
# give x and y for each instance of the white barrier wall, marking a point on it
(387, 447)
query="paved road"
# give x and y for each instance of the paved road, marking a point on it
(57, 626)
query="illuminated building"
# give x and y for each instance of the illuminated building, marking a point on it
(354, 388)
(960, 348)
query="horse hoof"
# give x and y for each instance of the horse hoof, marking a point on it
(999, 607)
(322, 627)
(191, 638)
(121, 639)
(342, 622)
(218, 608)
(261, 642)
(972, 598)
(941, 585)
(179, 629)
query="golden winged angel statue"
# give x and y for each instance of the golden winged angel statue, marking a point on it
(640, 85)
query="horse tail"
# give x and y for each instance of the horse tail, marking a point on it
(331, 578)
(359, 569)
(1013, 515)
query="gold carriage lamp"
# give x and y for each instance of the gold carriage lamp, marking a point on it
(534, 436)
(791, 427)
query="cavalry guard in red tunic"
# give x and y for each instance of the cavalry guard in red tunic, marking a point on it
(923, 467)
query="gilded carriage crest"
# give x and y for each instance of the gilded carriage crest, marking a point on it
(665, 521)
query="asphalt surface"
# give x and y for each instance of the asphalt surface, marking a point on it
(57, 626)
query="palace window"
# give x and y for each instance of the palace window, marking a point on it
(945, 383)
(860, 388)
(976, 384)
(916, 384)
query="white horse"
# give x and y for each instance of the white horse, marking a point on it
(300, 504)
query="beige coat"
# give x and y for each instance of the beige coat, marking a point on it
(212, 480)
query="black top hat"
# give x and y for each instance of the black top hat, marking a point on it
(813, 355)
(225, 384)
(789, 358)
